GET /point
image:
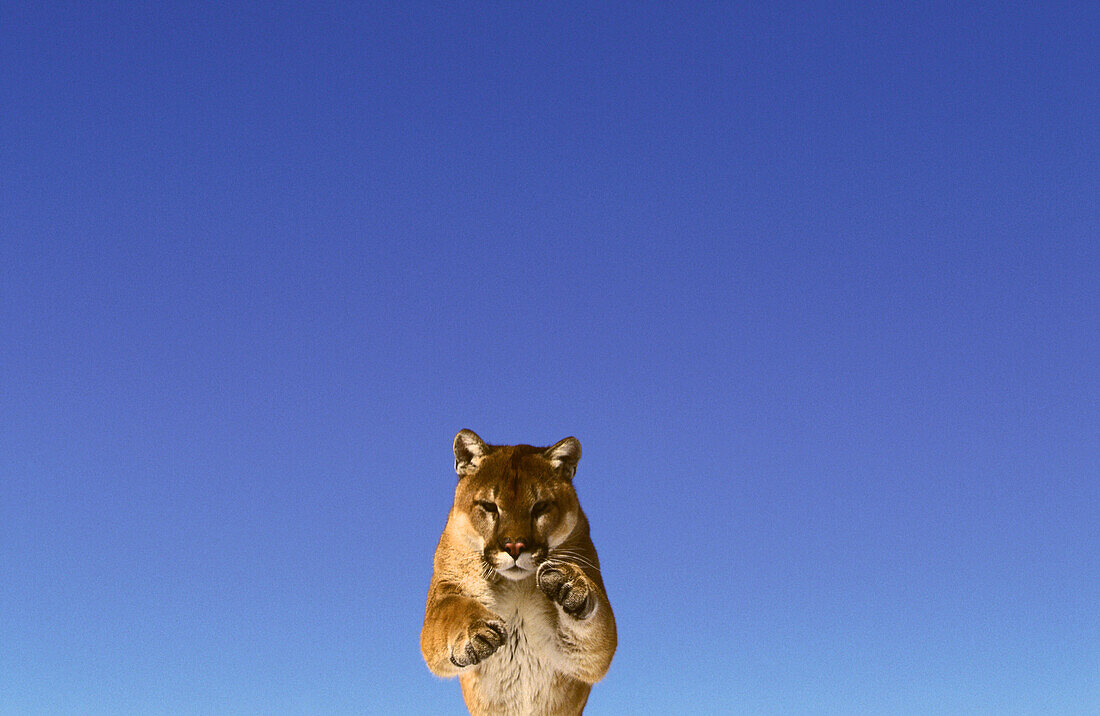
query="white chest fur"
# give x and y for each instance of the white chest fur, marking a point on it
(520, 676)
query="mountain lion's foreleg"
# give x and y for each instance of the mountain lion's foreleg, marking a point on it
(586, 626)
(458, 632)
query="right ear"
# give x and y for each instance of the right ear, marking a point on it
(469, 449)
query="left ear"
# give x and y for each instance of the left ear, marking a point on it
(469, 449)
(564, 455)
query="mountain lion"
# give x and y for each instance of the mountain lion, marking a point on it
(516, 606)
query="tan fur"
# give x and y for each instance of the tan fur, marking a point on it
(526, 634)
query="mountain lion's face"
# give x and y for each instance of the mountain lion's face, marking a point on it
(516, 503)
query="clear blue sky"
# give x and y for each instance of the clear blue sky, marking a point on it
(816, 287)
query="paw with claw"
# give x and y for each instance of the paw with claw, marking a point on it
(481, 638)
(566, 584)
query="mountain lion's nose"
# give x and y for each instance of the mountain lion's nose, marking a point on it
(514, 548)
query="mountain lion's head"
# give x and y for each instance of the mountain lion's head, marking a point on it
(514, 503)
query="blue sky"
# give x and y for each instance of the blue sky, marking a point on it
(814, 285)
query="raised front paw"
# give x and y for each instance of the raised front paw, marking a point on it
(568, 586)
(481, 639)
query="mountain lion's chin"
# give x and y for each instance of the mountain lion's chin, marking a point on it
(515, 573)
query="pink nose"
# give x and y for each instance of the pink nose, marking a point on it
(514, 548)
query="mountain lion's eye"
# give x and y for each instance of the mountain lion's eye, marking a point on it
(487, 506)
(540, 508)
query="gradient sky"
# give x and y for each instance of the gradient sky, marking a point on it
(816, 287)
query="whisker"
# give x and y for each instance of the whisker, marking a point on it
(572, 553)
(581, 560)
(575, 557)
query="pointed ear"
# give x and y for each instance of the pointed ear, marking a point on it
(469, 449)
(563, 456)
